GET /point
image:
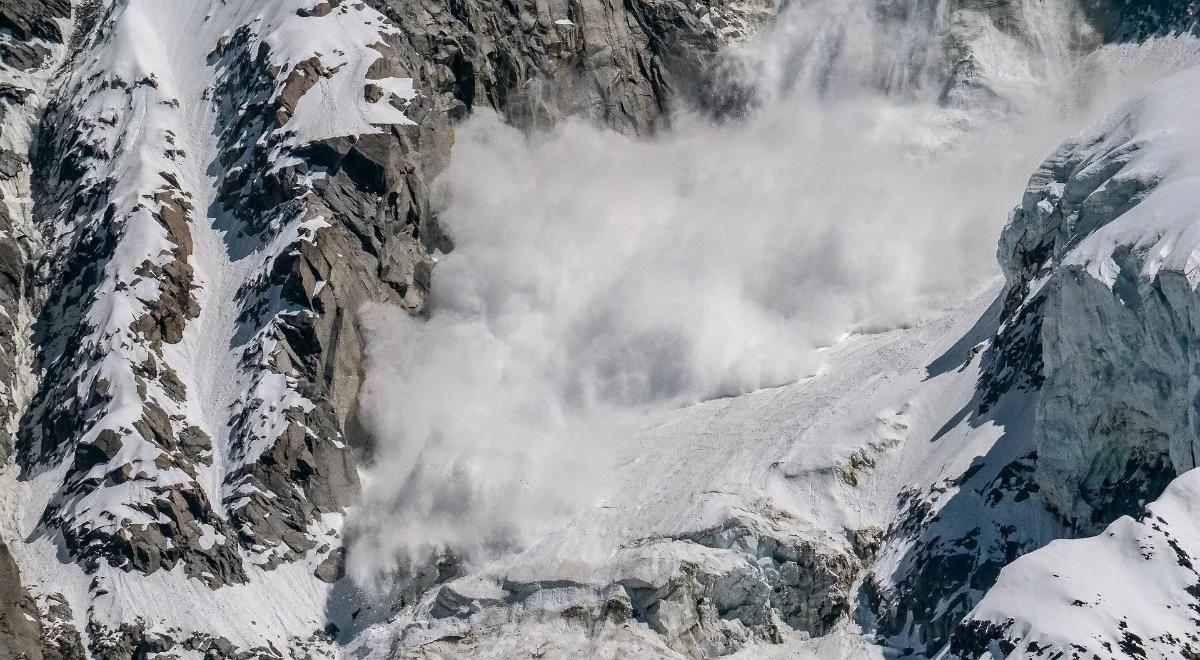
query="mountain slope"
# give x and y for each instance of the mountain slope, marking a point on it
(218, 214)
(215, 190)
(1110, 218)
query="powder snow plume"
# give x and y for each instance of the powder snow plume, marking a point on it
(598, 278)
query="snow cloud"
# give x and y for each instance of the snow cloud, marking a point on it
(597, 278)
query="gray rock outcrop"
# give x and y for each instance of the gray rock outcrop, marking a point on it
(20, 628)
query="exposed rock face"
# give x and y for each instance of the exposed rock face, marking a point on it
(374, 196)
(621, 64)
(30, 21)
(12, 285)
(950, 542)
(60, 636)
(20, 629)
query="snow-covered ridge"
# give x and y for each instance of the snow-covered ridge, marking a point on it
(158, 399)
(1105, 232)
(137, 140)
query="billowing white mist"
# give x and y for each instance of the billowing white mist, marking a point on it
(598, 278)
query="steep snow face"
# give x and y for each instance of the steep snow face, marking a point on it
(1105, 243)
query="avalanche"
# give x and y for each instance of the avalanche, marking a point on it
(650, 328)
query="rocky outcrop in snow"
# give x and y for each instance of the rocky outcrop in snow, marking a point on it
(704, 594)
(218, 189)
(1102, 251)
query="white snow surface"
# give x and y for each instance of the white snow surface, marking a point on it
(1130, 587)
(1161, 131)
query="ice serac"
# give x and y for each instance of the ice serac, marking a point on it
(1091, 373)
(199, 196)
(115, 288)
(622, 64)
(1100, 259)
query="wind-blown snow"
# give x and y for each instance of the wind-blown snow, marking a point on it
(769, 455)
(596, 278)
